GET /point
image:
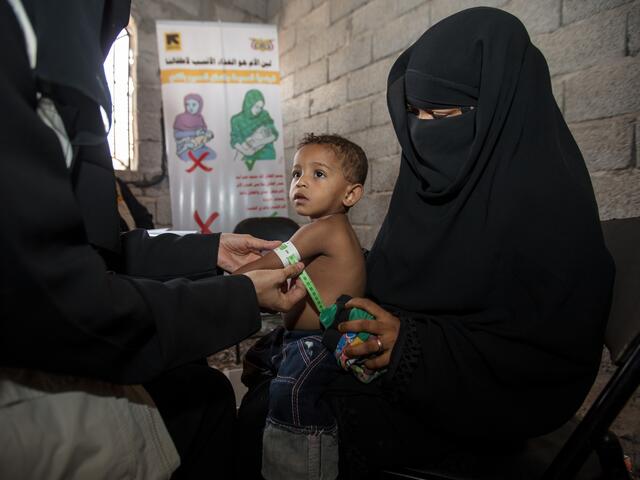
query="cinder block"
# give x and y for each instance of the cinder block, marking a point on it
(372, 16)
(340, 8)
(617, 193)
(355, 55)
(295, 108)
(316, 124)
(158, 190)
(380, 111)
(366, 234)
(148, 98)
(163, 211)
(603, 91)
(539, 16)
(309, 77)
(148, 126)
(286, 86)
(370, 210)
(400, 33)
(384, 173)
(289, 153)
(295, 59)
(633, 30)
(293, 10)
(573, 10)
(371, 79)
(145, 41)
(606, 144)
(636, 156)
(349, 118)
(257, 8)
(286, 39)
(328, 96)
(274, 8)
(329, 40)
(228, 14)
(147, 67)
(287, 136)
(582, 44)
(316, 21)
(149, 156)
(377, 142)
(405, 5)
(443, 8)
(177, 10)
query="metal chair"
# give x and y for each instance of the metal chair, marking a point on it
(586, 448)
(266, 228)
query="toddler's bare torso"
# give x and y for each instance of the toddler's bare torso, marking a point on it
(339, 270)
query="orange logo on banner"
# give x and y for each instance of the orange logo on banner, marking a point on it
(262, 44)
(172, 41)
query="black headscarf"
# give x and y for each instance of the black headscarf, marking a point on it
(492, 240)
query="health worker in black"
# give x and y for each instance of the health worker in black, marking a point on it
(489, 277)
(79, 300)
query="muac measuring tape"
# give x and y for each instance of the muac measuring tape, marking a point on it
(289, 255)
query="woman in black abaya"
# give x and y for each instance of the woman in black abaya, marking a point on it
(489, 278)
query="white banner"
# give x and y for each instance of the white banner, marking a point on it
(223, 123)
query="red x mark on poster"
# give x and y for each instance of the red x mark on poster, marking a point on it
(204, 226)
(197, 162)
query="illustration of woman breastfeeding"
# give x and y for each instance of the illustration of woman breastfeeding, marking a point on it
(253, 131)
(191, 133)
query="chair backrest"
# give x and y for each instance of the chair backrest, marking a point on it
(622, 237)
(268, 228)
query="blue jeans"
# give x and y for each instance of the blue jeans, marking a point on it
(301, 435)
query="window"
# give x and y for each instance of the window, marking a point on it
(117, 68)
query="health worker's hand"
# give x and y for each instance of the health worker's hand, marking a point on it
(385, 328)
(237, 250)
(271, 288)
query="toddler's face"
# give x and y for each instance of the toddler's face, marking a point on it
(318, 185)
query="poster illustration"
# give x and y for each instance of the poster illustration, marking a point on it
(222, 119)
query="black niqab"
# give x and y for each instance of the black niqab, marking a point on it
(492, 242)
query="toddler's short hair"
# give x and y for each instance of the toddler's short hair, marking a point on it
(353, 158)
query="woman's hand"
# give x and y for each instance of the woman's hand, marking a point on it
(385, 327)
(237, 250)
(271, 288)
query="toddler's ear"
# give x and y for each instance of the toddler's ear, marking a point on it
(353, 195)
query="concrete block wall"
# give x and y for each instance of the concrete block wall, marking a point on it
(336, 54)
(147, 133)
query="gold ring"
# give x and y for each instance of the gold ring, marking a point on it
(380, 348)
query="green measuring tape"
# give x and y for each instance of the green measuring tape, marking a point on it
(311, 288)
(288, 253)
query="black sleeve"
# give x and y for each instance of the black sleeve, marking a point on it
(60, 308)
(457, 377)
(168, 256)
(139, 212)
